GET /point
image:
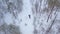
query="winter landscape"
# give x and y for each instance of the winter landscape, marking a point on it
(29, 16)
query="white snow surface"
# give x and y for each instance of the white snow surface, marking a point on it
(25, 18)
(23, 21)
(26, 24)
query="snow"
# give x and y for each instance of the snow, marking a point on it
(25, 18)
(26, 24)
(58, 15)
(23, 21)
(8, 18)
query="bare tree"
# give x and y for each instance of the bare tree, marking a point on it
(51, 5)
(49, 28)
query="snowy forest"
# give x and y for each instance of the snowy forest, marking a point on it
(29, 16)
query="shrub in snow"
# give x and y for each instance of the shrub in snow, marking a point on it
(52, 3)
(9, 29)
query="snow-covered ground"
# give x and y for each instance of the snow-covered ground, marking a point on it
(32, 19)
(24, 19)
(27, 23)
